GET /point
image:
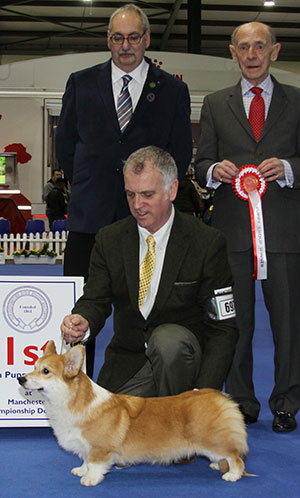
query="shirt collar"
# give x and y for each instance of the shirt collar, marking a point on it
(137, 74)
(267, 85)
(162, 233)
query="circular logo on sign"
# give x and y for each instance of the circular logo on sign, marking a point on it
(27, 309)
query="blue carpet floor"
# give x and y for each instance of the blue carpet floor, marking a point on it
(34, 466)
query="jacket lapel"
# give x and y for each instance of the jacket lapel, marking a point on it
(130, 254)
(103, 78)
(235, 102)
(277, 107)
(151, 89)
(176, 250)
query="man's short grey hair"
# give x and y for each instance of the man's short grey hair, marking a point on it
(269, 29)
(163, 161)
(130, 7)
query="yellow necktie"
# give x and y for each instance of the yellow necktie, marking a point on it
(146, 269)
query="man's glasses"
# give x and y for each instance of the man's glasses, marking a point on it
(133, 39)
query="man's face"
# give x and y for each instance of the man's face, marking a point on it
(56, 174)
(254, 52)
(127, 57)
(148, 201)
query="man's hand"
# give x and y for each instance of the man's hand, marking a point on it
(272, 169)
(73, 328)
(225, 171)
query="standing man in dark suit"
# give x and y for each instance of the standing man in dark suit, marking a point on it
(92, 144)
(178, 331)
(227, 142)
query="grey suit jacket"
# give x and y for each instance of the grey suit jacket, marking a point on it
(195, 265)
(226, 134)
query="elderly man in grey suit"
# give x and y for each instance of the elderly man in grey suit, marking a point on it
(227, 142)
(178, 331)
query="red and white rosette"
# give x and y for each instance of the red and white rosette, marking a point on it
(250, 186)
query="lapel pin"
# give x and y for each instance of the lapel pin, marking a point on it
(150, 97)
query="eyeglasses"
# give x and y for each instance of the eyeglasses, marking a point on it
(133, 39)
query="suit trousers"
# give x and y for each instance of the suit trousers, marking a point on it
(281, 292)
(76, 264)
(173, 364)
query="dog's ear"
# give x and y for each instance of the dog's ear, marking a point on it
(73, 361)
(50, 348)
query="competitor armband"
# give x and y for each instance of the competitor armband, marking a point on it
(221, 305)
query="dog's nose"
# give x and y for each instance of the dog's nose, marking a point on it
(22, 380)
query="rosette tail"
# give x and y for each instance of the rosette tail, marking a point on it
(250, 186)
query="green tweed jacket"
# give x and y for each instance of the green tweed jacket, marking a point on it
(195, 265)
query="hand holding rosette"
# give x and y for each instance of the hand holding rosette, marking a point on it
(250, 186)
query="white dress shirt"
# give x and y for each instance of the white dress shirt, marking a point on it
(161, 238)
(135, 86)
(267, 86)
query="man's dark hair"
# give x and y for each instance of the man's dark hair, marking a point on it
(59, 181)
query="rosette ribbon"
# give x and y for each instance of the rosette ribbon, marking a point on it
(250, 186)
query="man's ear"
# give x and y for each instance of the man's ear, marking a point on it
(147, 38)
(108, 40)
(275, 52)
(173, 190)
(233, 53)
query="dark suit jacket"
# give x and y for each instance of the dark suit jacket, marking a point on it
(90, 147)
(195, 265)
(226, 134)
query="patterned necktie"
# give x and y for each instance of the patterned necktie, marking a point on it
(257, 112)
(124, 109)
(146, 269)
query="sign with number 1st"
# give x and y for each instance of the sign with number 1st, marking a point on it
(32, 311)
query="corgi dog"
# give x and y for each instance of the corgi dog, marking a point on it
(104, 429)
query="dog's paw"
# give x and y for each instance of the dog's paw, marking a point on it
(89, 480)
(79, 471)
(214, 465)
(231, 476)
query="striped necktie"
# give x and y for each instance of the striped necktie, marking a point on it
(257, 112)
(146, 269)
(124, 109)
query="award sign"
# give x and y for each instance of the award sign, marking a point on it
(32, 309)
(250, 186)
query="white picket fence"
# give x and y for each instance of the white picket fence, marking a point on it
(16, 242)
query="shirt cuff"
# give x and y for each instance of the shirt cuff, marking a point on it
(86, 337)
(210, 182)
(289, 175)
